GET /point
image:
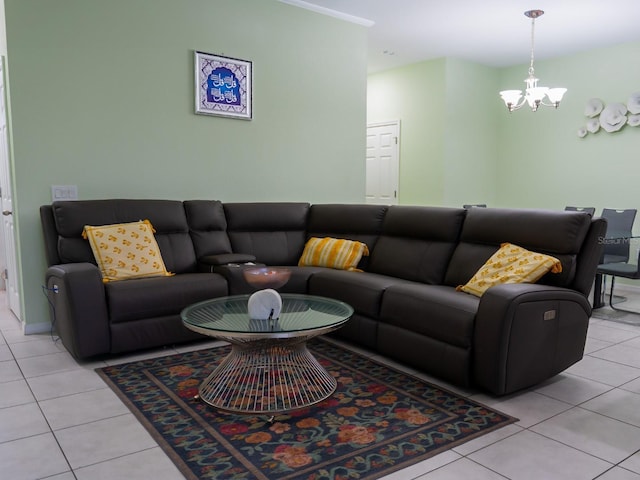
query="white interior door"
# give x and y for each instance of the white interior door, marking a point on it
(383, 146)
(8, 235)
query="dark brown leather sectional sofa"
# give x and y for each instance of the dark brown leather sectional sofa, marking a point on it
(405, 301)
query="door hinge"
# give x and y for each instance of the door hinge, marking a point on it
(395, 194)
(396, 140)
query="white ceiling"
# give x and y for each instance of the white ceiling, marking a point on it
(490, 32)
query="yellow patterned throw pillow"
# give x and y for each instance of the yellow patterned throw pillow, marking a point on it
(511, 264)
(333, 253)
(126, 250)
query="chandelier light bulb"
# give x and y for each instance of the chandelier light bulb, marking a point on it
(534, 96)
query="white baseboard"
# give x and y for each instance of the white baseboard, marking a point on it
(35, 328)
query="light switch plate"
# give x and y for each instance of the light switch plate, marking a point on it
(64, 192)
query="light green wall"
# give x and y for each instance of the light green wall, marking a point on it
(460, 145)
(448, 134)
(414, 95)
(542, 161)
(102, 98)
(471, 134)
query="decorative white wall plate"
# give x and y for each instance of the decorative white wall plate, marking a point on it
(593, 107)
(613, 117)
(633, 104)
(633, 120)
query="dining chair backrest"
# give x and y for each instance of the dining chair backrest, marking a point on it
(590, 210)
(619, 233)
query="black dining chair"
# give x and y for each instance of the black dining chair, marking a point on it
(616, 249)
(619, 233)
(590, 210)
(623, 270)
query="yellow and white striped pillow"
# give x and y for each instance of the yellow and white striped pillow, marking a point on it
(333, 253)
(126, 250)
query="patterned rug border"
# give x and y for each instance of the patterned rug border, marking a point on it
(186, 470)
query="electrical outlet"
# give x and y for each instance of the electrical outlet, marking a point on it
(64, 192)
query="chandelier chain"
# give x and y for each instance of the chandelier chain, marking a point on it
(533, 24)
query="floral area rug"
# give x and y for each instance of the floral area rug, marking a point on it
(378, 421)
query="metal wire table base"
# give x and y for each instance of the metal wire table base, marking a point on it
(267, 376)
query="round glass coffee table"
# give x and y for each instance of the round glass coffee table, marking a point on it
(269, 370)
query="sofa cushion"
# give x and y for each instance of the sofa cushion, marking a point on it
(362, 290)
(434, 311)
(416, 243)
(299, 279)
(556, 233)
(208, 227)
(167, 217)
(273, 232)
(160, 296)
(150, 333)
(510, 264)
(333, 253)
(126, 250)
(361, 223)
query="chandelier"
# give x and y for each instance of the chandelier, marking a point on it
(534, 95)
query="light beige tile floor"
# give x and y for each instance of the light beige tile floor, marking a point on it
(59, 421)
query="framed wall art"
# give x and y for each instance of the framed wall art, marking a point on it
(223, 86)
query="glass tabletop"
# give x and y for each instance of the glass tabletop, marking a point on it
(299, 313)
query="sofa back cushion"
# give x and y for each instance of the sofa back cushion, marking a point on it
(167, 217)
(361, 223)
(416, 243)
(208, 227)
(273, 232)
(556, 233)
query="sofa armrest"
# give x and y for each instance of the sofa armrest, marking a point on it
(79, 307)
(209, 262)
(526, 333)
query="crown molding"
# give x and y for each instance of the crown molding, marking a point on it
(329, 12)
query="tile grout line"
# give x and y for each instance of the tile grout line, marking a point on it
(24, 378)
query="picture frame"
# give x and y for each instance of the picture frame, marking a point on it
(223, 86)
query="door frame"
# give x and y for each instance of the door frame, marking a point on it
(395, 123)
(9, 251)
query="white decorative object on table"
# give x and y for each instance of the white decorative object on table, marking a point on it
(633, 104)
(593, 107)
(264, 305)
(613, 117)
(582, 132)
